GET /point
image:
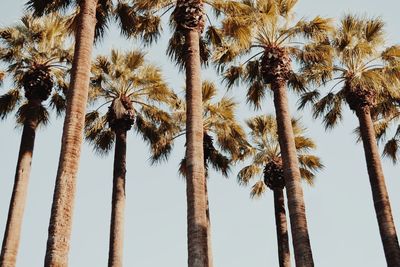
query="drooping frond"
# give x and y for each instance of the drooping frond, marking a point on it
(258, 189)
(8, 102)
(42, 7)
(247, 173)
(37, 112)
(58, 102)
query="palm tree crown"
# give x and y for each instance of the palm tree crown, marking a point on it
(365, 74)
(264, 32)
(37, 56)
(266, 159)
(134, 91)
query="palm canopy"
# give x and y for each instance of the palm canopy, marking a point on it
(365, 72)
(147, 18)
(135, 92)
(70, 8)
(266, 36)
(37, 55)
(220, 127)
(266, 161)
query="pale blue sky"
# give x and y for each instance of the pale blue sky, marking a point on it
(341, 218)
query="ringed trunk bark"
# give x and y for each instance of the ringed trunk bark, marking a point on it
(281, 228)
(380, 195)
(9, 249)
(291, 172)
(59, 232)
(195, 185)
(118, 202)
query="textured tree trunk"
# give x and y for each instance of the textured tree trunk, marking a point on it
(209, 240)
(281, 228)
(291, 172)
(195, 186)
(12, 233)
(380, 195)
(64, 192)
(118, 202)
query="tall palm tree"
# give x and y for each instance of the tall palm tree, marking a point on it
(368, 75)
(267, 31)
(134, 91)
(219, 127)
(188, 18)
(90, 21)
(37, 57)
(267, 165)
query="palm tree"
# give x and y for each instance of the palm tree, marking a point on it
(37, 57)
(267, 28)
(90, 20)
(267, 165)
(219, 127)
(368, 75)
(188, 18)
(133, 90)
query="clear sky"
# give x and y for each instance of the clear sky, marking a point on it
(341, 218)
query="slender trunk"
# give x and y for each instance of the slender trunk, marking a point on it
(195, 186)
(59, 232)
(118, 202)
(281, 228)
(380, 195)
(291, 172)
(209, 240)
(12, 233)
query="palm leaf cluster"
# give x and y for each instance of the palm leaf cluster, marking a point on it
(266, 162)
(37, 56)
(135, 92)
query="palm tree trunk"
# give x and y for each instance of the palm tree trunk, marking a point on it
(118, 202)
(209, 244)
(281, 228)
(195, 186)
(12, 233)
(291, 172)
(64, 193)
(379, 192)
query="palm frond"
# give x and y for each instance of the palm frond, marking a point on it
(247, 173)
(8, 102)
(58, 102)
(258, 189)
(28, 111)
(391, 149)
(255, 93)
